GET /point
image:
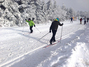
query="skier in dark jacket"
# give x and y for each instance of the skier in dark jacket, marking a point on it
(71, 19)
(53, 28)
(85, 19)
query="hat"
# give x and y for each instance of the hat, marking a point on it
(57, 19)
(29, 19)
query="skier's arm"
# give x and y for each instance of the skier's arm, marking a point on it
(50, 28)
(60, 24)
(33, 24)
(27, 21)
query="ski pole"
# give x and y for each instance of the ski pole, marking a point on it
(37, 29)
(23, 26)
(44, 35)
(61, 34)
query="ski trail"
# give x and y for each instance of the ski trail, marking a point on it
(57, 54)
(30, 51)
(21, 56)
(63, 37)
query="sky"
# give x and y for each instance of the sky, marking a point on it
(77, 5)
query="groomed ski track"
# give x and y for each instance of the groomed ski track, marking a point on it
(76, 30)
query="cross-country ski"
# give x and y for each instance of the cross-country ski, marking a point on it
(50, 44)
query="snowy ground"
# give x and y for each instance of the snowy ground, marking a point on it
(18, 48)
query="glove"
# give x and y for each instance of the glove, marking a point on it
(62, 24)
(50, 31)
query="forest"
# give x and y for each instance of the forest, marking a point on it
(14, 12)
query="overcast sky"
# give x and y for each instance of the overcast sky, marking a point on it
(78, 5)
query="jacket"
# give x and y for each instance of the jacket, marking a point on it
(54, 25)
(31, 23)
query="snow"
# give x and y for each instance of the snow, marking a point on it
(18, 48)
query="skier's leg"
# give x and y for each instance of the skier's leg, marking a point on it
(31, 29)
(53, 36)
(84, 22)
(51, 41)
(54, 33)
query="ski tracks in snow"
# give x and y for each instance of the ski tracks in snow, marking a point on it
(60, 55)
(66, 33)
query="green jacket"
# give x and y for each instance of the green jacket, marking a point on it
(31, 23)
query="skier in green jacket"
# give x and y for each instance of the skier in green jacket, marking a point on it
(31, 24)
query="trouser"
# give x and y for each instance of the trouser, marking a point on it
(80, 22)
(84, 22)
(31, 29)
(71, 20)
(53, 36)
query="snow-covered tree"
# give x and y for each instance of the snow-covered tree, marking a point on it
(71, 12)
(49, 8)
(14, 12)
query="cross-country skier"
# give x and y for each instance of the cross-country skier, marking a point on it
(81, 21)
(31, 24)
(85, 19)
(71, 19)
(53, 28)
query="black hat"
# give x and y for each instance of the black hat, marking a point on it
(29, 19)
